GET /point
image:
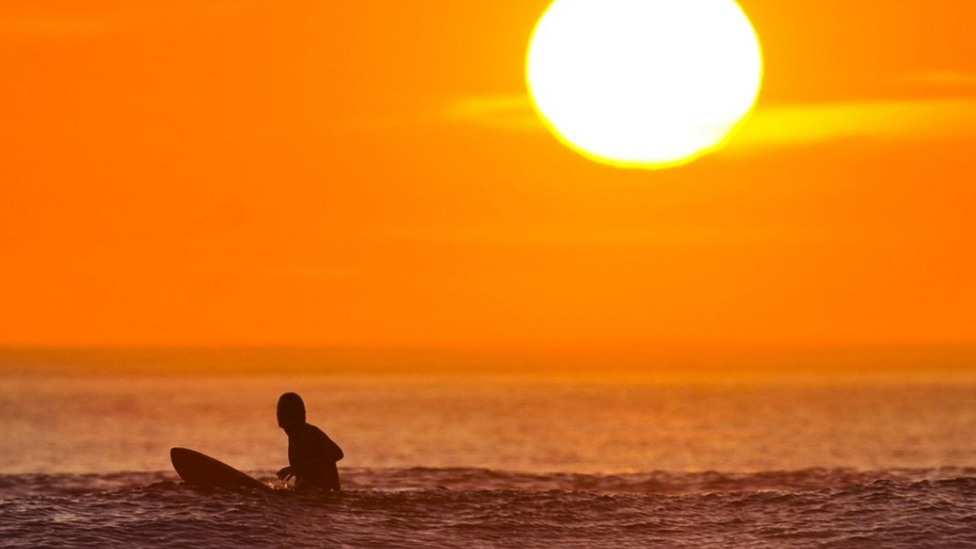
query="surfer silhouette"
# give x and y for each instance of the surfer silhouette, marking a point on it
(312, 455)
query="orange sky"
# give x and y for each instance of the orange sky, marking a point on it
(369, 173)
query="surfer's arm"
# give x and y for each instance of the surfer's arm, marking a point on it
(286, 473)
(331, 450)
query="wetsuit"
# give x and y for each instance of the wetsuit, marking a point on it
(312, 456)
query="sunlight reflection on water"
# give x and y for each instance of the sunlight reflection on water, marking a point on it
(128, 424)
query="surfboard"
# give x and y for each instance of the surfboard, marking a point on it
(202, 470)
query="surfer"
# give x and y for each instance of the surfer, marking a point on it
(312, 455)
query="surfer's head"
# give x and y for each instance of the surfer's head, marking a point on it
(291, 411)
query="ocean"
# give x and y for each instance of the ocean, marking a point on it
(497, 461)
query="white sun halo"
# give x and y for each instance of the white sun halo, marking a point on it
(644, 83)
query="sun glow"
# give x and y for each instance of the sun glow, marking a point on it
(644, 83)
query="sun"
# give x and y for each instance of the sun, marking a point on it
(644, 83)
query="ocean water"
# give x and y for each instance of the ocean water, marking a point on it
(489, 461)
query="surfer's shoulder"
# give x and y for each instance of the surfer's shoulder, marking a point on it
(315, 431)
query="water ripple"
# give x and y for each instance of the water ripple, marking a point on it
(891, 509)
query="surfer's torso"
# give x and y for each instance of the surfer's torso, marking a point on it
(313, 456)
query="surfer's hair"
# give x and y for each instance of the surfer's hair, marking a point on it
(291, 409)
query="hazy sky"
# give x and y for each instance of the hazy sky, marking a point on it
(370, 173)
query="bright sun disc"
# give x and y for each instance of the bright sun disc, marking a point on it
(644, 83)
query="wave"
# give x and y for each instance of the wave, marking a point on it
(475, 479)
(441, 508)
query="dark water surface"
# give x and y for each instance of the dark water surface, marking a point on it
(480, 508)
